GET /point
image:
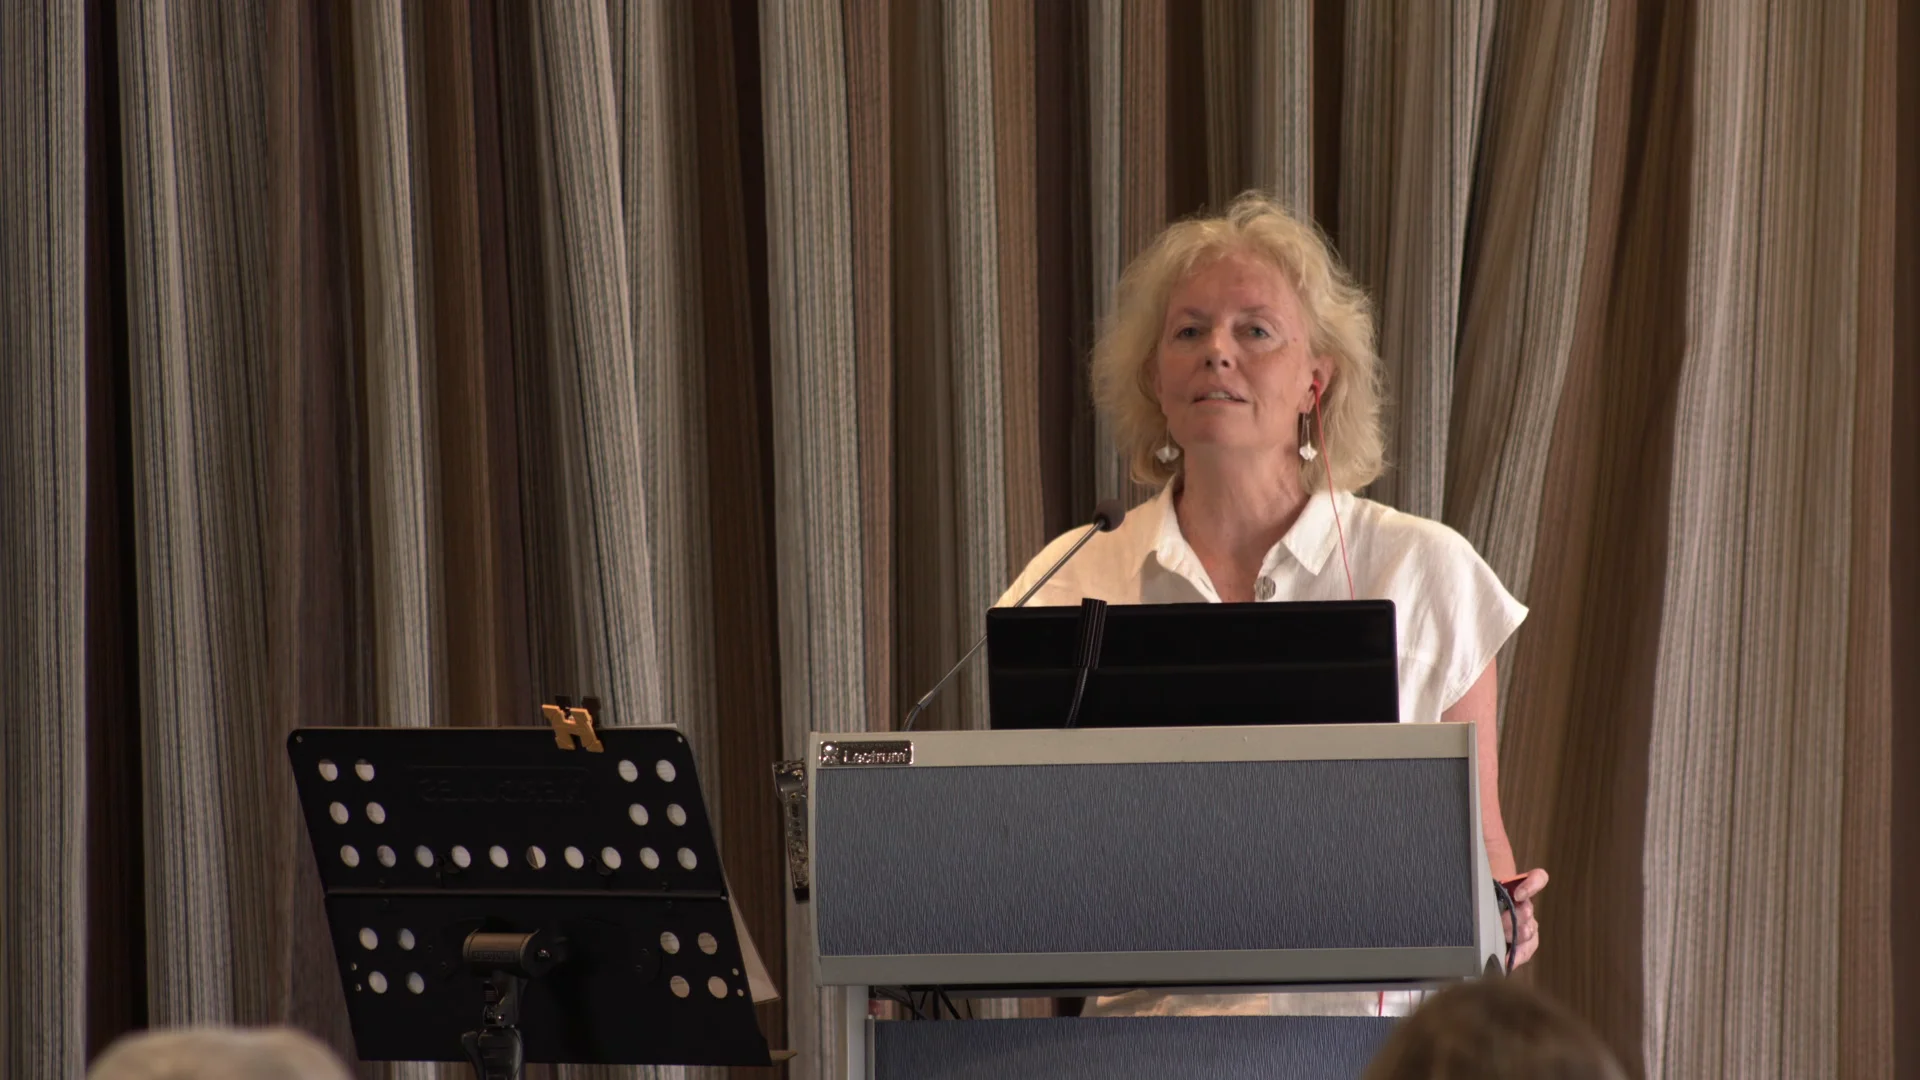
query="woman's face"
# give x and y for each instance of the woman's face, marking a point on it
(1234, 369)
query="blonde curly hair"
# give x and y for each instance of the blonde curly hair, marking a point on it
(1340, 328)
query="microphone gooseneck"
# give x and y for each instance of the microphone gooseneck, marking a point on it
(1107, 516)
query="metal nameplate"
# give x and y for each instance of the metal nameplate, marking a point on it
(891, 752)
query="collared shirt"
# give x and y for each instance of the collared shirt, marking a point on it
(1451, 611)
(1452, 615)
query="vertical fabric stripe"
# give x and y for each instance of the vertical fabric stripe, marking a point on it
(594, 403)
(1529, 242)
(660, 185)
(1691, 767)
(1226, 33)
(43, 487)
(1575, 716)
(870, 187)
(1280, 127)
(1326, 100)
(484, 670)
(1904, 537)
(1014, 136)
(928, 622)
(404, 623)
(547, 511)
(815, 421)
(196, 154)
(1106, 166)
(1143, 124)
(1867, 1004)
(178, 754)
(973, 284)
(1063, 320)
(1746, 786)
(746, 653)
(1127, 73)
(1415, 82)
(318, 635)
(115, 912)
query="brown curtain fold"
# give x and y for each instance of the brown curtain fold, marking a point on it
(1534, 174)
(478, 511)
(738, 399)
(1867, 987)
(1904, 517)
(1017, 269)
(817, 441)
(319, 665)
(926, 530)
(871, 194)
(1063, 300)
(1415, 87)
(973, 324)
(43, 583)
(115, 900)
(217, 807)
(1574, 759)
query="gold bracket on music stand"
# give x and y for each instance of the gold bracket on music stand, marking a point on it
(570, 723)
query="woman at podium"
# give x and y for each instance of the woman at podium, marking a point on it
(1237, 374)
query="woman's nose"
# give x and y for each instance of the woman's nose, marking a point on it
(1219, 351)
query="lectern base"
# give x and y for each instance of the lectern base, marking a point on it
(1129, 1048)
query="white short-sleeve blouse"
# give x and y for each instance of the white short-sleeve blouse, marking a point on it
(1452, 612)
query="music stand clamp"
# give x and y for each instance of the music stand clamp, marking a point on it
(506, 961)
(566, 889)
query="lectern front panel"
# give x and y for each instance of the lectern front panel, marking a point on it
(1262, 857)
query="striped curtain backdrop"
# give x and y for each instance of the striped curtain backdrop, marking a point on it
(44, 581)
(416, 363)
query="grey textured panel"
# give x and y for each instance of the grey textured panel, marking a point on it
(1142, 857)
(1126, 1048)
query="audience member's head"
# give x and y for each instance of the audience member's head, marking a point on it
(1493, 1029)
(219, 1054)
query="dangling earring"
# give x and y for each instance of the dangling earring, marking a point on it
(1168, 452)
(1307, 452)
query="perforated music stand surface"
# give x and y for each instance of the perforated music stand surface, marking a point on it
(1186, 665)
(410, 832)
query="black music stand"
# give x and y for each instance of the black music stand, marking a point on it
(1183, 665)
(496, 899)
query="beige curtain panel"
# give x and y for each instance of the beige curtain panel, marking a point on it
(414, 363)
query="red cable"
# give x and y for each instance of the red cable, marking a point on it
(1326, 453)
(1380, 1002)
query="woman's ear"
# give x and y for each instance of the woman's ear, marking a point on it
(1149, 380)
(1322, 374)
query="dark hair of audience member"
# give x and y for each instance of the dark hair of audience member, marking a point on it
(1493, 1029)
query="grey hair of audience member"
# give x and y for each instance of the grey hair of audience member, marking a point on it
(219, 1054)
(1493, 1029)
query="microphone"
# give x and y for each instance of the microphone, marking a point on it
(1107, 516)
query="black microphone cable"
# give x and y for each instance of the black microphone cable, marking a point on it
(1107, 517)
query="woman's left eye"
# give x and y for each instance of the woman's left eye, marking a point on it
(1258, 331)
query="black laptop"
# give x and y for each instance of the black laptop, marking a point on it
(1185, 665)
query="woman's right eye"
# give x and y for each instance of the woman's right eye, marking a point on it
(1187, 333)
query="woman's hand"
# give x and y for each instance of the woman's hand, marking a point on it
(1526, 937)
